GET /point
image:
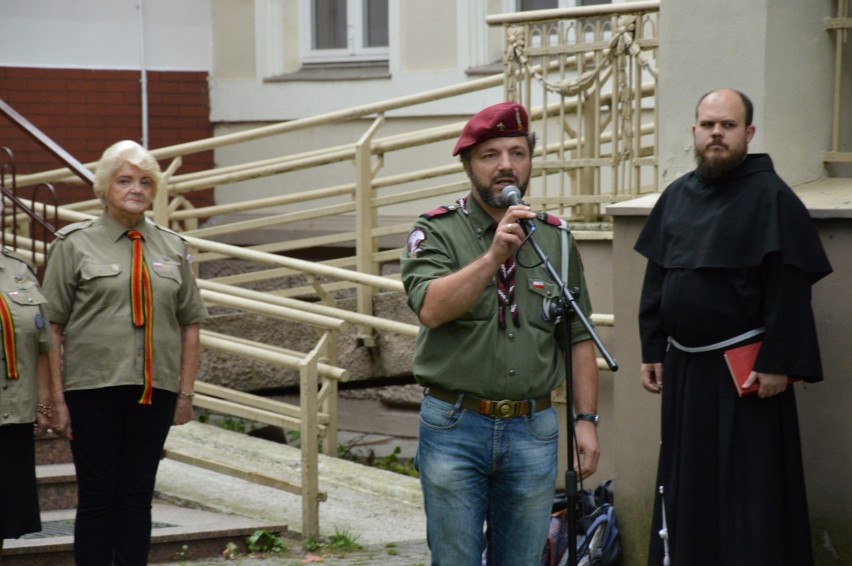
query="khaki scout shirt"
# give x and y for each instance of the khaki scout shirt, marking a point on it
(472, 354)
(19, 286)
(87, 283)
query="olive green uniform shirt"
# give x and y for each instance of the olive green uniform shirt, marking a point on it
(87, 283)
(19, 286)
(472, 354)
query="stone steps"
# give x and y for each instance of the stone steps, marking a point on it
(178, 533)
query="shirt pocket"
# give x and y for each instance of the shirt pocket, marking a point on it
(28, 294)
(90, 270)
(24, 303)
(168, 270)
(544, 299)
(485, 306)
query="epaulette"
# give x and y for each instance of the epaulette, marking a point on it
(550, 219)
(63, 232)
(164, 229)
(440, 211)
(12, 254)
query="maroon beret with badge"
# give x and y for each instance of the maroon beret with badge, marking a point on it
(503, 120)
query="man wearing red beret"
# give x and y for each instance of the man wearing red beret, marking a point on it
(489, 358)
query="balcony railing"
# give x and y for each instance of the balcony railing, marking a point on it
(840, 25)
(592, 72)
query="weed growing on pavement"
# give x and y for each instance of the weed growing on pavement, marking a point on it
(311, 545)
(392, 462)
(343, 541)
(265, 542)
(231, 551)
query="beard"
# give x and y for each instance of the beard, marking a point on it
(487, 195)
(715, 168)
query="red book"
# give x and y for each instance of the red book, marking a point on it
(741, 362)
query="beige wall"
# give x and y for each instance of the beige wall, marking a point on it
(233, 40)
(637, 413)
(826, 422)
(776, 51)
(428, 35)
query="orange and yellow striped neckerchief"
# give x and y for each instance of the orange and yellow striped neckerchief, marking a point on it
(142, 310)
(9, 352)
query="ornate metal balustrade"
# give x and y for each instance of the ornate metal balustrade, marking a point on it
(589, 76)
(840, 25)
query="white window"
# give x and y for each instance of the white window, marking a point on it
(524, 5)
(345, 30)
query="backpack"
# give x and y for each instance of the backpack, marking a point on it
(598, 541)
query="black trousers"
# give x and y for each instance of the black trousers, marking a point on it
(19, 511)
(117, 445)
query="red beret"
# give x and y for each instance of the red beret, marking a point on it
(504, 120)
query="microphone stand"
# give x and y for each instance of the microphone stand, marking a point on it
(568, 306)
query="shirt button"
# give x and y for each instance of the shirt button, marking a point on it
(5, 415)
(511, 335)
(511, 373)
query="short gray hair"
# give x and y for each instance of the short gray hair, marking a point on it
(116, 155)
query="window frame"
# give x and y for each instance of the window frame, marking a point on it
(356, 36)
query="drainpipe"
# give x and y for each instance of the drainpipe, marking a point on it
(143, 80)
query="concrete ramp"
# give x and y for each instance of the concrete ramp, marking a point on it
(374, 505)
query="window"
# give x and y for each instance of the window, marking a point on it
(524, 5)
(347, 30)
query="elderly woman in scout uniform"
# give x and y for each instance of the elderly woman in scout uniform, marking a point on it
(125, 307)
(24, 393)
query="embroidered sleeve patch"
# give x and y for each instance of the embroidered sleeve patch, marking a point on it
(414, 240)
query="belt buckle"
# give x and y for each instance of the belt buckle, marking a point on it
(504, 409)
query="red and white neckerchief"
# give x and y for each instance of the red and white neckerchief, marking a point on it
(142, 310)
(462, 202)
(506, 294)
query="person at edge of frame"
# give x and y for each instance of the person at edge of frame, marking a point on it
(732, 255)
(26, 397)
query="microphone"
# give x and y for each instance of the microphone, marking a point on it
(511, 196)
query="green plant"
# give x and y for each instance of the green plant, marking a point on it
(311, 545)
(393, 463)
(232, 424)
(343, 541)
(230, 551)
(265, 542)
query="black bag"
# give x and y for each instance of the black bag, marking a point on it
(598, 541)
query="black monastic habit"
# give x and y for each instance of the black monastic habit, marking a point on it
(724, 258)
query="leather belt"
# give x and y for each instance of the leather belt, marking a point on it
(504, 409)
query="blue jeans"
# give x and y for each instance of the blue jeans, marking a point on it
(478, 470)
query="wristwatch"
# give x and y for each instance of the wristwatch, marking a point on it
(594, 419)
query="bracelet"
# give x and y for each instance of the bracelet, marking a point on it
(189, 396)
(44, 409)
